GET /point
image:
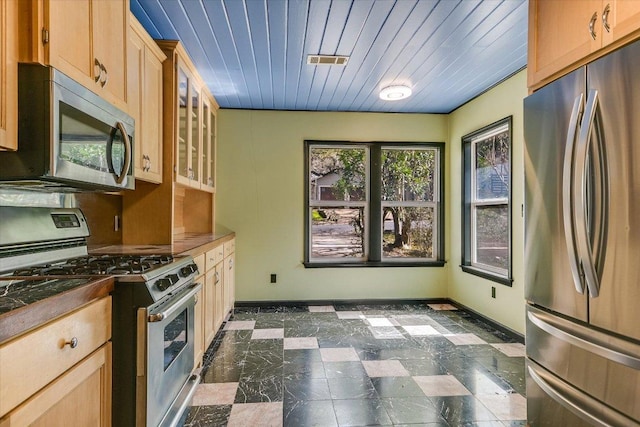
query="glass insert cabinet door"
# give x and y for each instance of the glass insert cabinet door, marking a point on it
(188, 147)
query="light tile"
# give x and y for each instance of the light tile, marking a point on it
(265, 414)
(505, 407)
(385, 368)
(235, 325)
(378, 321)
(214, 394)
(511, 350)
(349, 314)
(339, 355)
(421, 330)
(267, 334)
(441, 385)
(442, 306)
(321, 309)
(386, 333)
(297, 343)
(465, 339)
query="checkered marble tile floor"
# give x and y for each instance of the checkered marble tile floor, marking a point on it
(356, 365)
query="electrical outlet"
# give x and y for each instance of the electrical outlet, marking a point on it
(493, 292)
(273, 278)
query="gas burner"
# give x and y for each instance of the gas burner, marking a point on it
(98, 265)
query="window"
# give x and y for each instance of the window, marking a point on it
(373, 204)
(487, 193)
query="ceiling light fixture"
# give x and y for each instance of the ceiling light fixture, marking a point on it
(395, 93)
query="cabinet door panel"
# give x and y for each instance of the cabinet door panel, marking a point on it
(152, 109)
(135, 67)
(8, 75)
(69, 46)
(110, 30)
(623, 19)
(559, 35)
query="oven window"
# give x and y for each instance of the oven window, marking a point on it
(175, 338)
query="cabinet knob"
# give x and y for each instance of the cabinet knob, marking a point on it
(97, 70)
(104, 81)
(73, 343)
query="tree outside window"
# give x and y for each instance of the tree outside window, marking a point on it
(487, 191)
(373, 203)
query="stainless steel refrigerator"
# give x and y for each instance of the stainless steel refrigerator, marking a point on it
(582, 245)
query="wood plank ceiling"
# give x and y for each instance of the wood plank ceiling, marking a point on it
(253, 53)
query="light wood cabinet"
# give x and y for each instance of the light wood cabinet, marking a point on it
(8, 75)
(209, 128)
(564, 35)
(61, 368)
(179, 207)
(144, 87)
(85, 39)
(82, 397)
(198, 329)
(229, 276)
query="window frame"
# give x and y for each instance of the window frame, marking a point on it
(374, 207)
(470, 204)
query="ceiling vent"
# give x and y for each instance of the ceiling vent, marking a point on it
(327, 60)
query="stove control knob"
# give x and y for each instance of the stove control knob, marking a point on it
(188, 270)
(163, 284)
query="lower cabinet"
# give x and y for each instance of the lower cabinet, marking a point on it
(81, 397)
(59, 373)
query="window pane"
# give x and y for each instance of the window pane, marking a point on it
(337, 174)
(407, 232)
(492, 167)
(337, 233)
(408, 175)
(492, 236)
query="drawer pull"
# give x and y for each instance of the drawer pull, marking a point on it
(73, 343)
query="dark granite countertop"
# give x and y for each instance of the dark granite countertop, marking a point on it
(28, 302)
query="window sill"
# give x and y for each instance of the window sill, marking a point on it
(507, 281)
(374, 264)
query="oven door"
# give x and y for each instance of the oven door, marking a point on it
(166, 386)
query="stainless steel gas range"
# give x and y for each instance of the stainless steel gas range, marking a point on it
(153, 308)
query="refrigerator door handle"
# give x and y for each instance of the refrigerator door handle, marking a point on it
(586, 343)
(580, 191)
(585, 407)
(567, 194)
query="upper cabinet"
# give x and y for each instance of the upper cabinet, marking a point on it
(564, 35)
(8, 75)
(144, 87)
(190, 116)
(85, 39)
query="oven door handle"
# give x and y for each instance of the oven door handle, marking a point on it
(159, 317)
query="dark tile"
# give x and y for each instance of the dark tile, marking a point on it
(352, 388)
(302, 355)
(309, 413)
(411, 410)
(397, 387)
(222, 370)
(459, 410)
(304, 370)
(201, 416)
(425, 367)
(361, 412)
(265, 390)
(262, 365)
(245, 310)
(306, 389)
(344, 369)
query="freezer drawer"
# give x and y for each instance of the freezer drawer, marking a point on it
(552, 402)
(600, 365)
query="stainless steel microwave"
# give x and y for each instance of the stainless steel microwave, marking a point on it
(69, 138)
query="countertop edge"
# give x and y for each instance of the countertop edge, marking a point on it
(19, 321)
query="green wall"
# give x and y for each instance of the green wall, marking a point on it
(472, 291)
(261, 197)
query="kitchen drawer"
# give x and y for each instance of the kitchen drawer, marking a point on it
(33, 360)
(229, 247)
(200, 262)
(214, 256)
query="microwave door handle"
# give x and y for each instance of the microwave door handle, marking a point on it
(128, 153)
(568, 194)
(580, 201)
